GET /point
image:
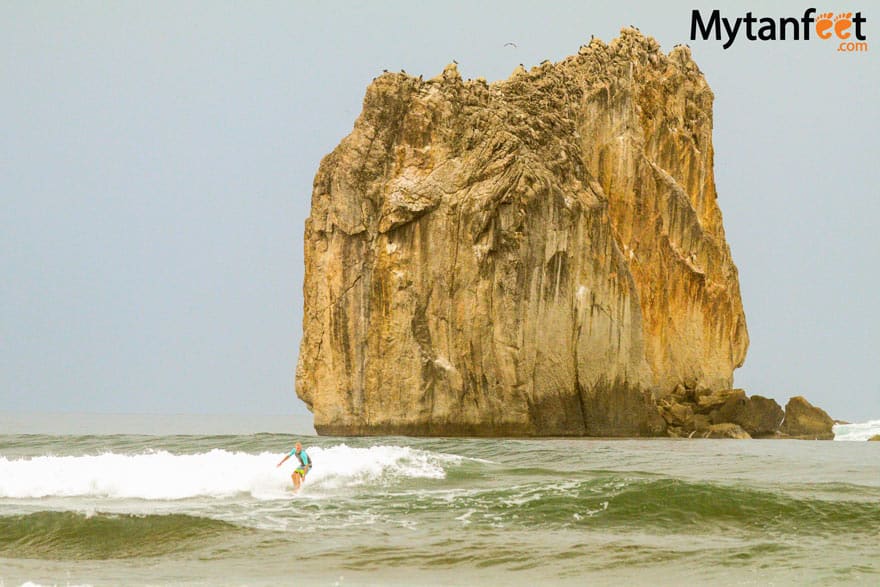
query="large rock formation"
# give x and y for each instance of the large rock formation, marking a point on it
(543, 255)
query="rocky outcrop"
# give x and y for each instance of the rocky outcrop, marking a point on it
(727, 430)
(804, 420)
(689, 413)
(543, 255)
(757, 415)
(875, 437)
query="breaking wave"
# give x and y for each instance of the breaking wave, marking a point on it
(161, 475)
(858, 431)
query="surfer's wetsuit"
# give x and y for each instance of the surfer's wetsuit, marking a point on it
(304, 461)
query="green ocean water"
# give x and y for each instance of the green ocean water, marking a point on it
(214, 509)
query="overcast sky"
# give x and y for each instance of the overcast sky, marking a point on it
(156, 162)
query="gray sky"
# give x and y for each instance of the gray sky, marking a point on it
(156, 162)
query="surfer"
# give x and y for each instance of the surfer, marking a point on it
(305, 463)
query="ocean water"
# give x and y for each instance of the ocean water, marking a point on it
(209, 509)
(857, 432)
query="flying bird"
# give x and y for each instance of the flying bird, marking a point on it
(510, 45)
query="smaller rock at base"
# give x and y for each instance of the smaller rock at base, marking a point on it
(674, 432)
(680, 415)
(875, 437)
(727, 430)
(806, 421)
(711, 402)
(701, 423)
(757, 415)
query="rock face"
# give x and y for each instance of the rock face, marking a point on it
(804, 420)
(543, 255)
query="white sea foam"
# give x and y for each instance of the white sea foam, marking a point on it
(161, 475)
(858, 431)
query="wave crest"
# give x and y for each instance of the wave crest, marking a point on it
(161, 475)
(858, 431)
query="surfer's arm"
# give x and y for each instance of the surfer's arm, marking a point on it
(282, 461)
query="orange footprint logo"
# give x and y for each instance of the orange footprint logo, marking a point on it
(824, 24)
(841, 23)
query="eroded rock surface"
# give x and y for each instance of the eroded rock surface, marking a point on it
(543, 255)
